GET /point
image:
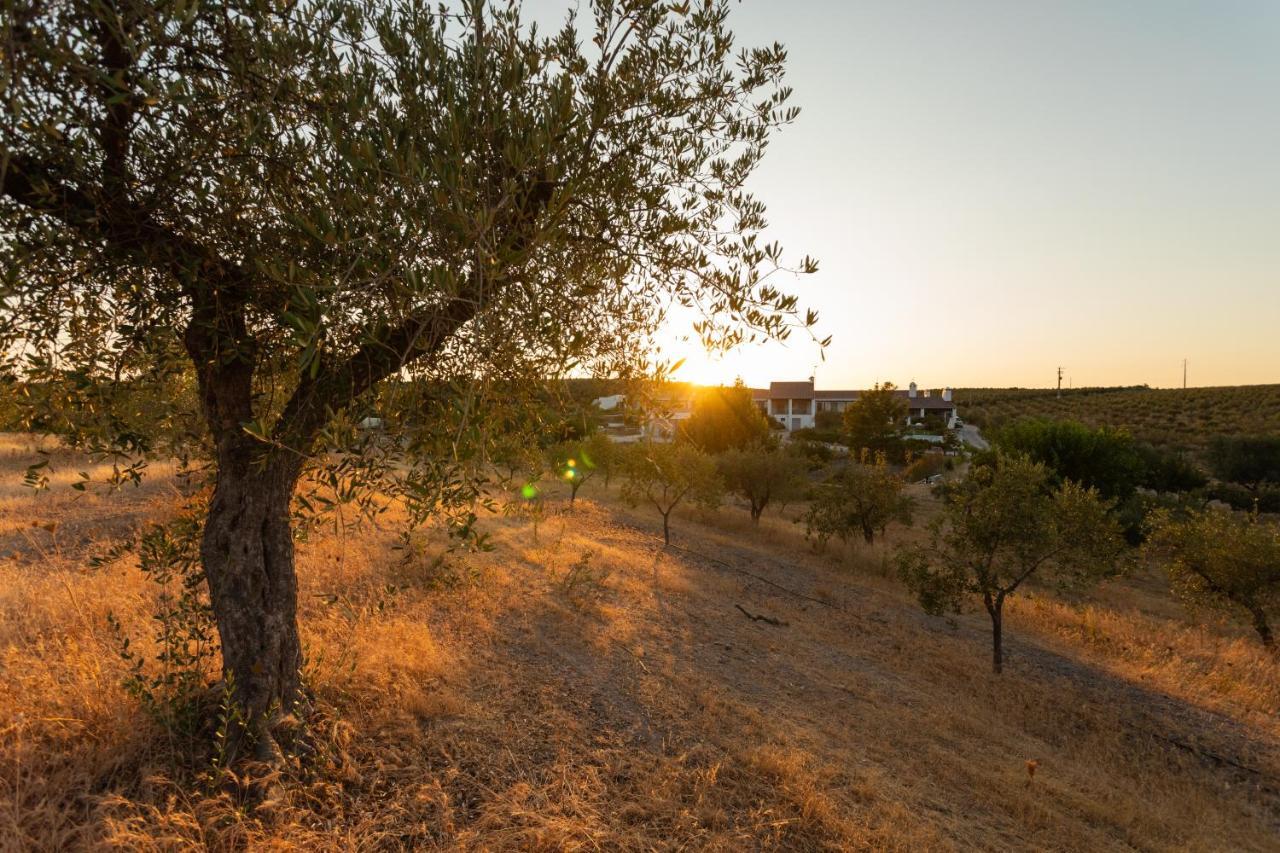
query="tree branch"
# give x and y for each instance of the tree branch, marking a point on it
(123, 225)
(335, 385)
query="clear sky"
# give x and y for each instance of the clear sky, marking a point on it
(994, 188)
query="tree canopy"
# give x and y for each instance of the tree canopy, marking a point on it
(860, 500)
(1251, 460)
(576, 462)
(1104, 458)
(873, 422)
(281, 206)
(1218, 559)
(724, 418)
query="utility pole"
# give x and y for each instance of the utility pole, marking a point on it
(1059, 381)
(1184, 374)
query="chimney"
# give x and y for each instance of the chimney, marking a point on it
(946, 394)
(911, 390)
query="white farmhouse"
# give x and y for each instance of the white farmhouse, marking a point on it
(794, 405)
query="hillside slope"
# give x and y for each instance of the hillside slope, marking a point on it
(493, 703)
(1172, 417)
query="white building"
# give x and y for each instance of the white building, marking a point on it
(795, 404)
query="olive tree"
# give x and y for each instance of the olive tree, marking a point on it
(605, 455)
(861, 499)
(288, 205)
(1224, 560)
(762, 474)
(664, 475)
(1002, 525)
(574, 462)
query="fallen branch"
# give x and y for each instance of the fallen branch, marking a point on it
(761, 617)
(1208, 755)
(764, 580)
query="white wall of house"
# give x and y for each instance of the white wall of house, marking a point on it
(608, 404)
(794, 417)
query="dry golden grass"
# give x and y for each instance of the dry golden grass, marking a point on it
(646, 712)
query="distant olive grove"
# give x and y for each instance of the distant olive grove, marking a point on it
(1185, 420)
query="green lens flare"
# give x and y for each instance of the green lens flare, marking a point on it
(528, 491)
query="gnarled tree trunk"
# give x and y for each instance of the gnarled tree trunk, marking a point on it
(247, 548)
(248, 558)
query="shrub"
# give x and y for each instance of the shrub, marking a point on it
(1104, 459)
(831, 423)
(581, 582)
(1265, 498)
(1168, 470)
(825, 436)
(171, 686)
(1246, 459)
(925, 466)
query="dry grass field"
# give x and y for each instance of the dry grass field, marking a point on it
(518, 709)
(1170, 417)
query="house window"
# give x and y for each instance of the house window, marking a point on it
(800, 407)
(779, 407)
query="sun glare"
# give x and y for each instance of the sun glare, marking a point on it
(756, 364)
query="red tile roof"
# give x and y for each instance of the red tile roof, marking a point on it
(793, 390)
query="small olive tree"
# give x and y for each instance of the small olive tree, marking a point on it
(664, 475)
(573, 462)
(862, 499)
(1001, 525)
(1218, 559)
(605, 455)
(762, 474)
